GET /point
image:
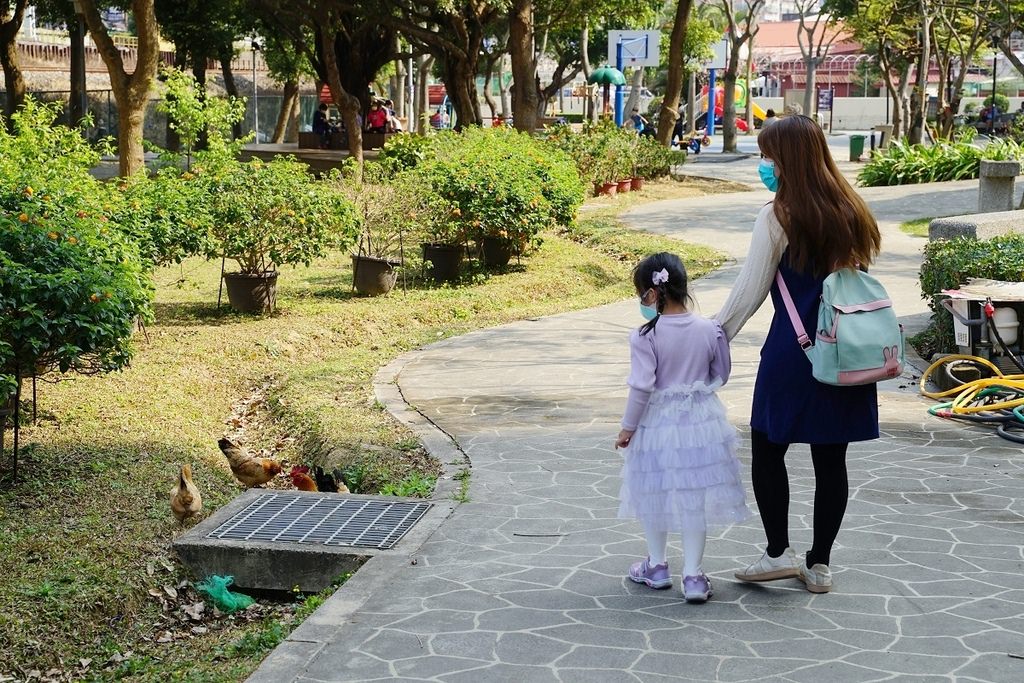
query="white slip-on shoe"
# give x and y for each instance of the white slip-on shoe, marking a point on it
(818, 578)
(785, 566)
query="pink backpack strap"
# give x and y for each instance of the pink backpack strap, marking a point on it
(801, 334)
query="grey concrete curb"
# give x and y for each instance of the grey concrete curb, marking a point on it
(289, 659)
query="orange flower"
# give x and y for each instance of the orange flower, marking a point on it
(94, 298)
(72, 240)
(456, 211)
(53, 235)
(29, 191)
(23, 218)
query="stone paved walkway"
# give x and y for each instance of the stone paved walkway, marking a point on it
(525, 581)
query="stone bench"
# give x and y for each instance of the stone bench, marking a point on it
(995, 184)
(982, 226)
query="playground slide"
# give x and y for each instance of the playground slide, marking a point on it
(702, 106)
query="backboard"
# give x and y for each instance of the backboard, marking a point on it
(639, 48)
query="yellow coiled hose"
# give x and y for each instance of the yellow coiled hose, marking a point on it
(968, 394)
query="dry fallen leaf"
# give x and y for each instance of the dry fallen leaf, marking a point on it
(164, 637)
(172, 593)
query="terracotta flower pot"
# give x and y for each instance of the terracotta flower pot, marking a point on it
(609, 189)
(636, 183)
(373, 276)
(252, 292)
(624, 185)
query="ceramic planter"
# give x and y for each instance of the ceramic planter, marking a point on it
(609, 189)
(252, 292)
(445, 260)
(373, 276)
(636, 183)
(497, 252)
(624, 185)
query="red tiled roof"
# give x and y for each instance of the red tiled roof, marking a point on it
(783, 34)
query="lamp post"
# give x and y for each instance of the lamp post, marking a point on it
(255, 93)
(992, 108)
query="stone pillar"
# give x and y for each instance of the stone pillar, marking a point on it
(995, 186)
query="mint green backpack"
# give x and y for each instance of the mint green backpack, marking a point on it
(858, 339)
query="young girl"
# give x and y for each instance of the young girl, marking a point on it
(681, 471)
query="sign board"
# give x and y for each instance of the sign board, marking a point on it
(824, 99)
(720, 60)
(639, 48)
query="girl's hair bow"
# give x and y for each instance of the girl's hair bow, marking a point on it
(659, 276)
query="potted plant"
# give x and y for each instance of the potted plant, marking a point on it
(269, 214)
(390, 209)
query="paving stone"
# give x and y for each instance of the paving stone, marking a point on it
(473, 645)
(929, 564)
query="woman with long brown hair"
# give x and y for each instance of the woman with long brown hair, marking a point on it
(817, 224)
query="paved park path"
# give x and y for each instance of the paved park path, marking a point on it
(525, 581)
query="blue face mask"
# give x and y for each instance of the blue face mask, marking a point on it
(648, 312)
(766, 169)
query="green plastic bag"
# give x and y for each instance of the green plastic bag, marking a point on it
(216, 589)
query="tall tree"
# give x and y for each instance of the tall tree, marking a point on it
(674, 82)
(11, 16)
(131, 91)
(288, 65)
(742, 27)
(816, 32)
(957, 39)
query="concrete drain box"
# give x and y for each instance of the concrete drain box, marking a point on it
(277, 540)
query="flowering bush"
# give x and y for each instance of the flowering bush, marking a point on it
(500, 183)
(71, 284)
(167, 216)
(269, 214)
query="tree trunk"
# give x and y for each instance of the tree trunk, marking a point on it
(503, 90)
(199, 73)
(460, 82)
(589, 110)
(729, 100)
(810, 86)
(13, 77)
(674, 85)
(524, 66)
(634, 91)
(79, 105)
(399, 94)
(231, 88)
(904, 99)
(691, 102)
(131, 92)
(172, 139)
(748, 114)
(348, 104)
(424, 66)
(289, 98)
(488, 97)
(291, 131)
(920, 107)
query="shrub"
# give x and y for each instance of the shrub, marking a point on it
(655, 160)
(269, 214)
(500, 183)
(949, 263)
(71, 285)
(905, 164)
(1002, 102)
(404, 151)
(168, 215)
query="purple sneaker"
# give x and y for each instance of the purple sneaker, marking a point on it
(697, 588)
(655, 577)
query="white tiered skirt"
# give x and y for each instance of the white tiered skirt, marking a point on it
(681, 470)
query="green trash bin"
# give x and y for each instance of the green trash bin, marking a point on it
(856, 147)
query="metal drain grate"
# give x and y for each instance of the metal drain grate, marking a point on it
(332, 520)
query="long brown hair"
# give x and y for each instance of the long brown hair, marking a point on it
(828, 225)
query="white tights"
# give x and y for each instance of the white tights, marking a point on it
(693, 548)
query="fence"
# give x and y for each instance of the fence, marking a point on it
(103, 108)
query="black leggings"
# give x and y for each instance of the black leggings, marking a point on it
(771, 490)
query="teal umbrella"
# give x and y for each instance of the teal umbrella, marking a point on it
(607, 76)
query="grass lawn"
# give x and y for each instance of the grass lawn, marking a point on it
(91, 590)
(917, 227)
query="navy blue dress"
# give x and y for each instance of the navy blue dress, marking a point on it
(790, 406)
